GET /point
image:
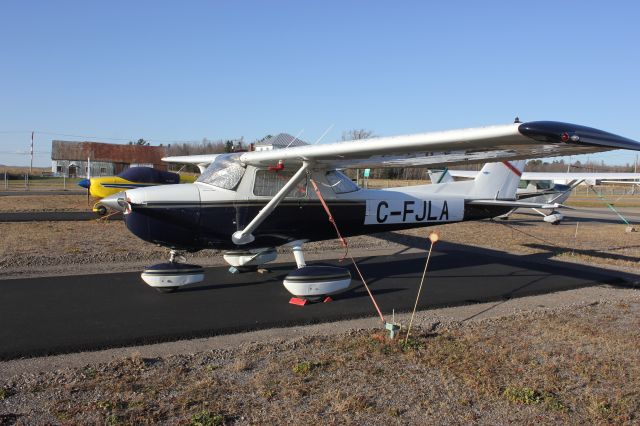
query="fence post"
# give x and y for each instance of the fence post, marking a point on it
(64, 181)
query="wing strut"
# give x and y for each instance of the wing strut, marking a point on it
(245, 236)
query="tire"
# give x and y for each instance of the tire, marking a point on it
(166, 289)
(101, 210)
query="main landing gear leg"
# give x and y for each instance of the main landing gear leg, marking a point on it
(298, 256)
(176, 256)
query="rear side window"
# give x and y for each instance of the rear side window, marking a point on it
(268, 183)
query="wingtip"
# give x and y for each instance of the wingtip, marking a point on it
(560, 132)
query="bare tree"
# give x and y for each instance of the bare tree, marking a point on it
(355, 134)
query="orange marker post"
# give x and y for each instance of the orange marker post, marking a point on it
(433, 237)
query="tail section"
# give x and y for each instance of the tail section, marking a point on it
(498, 181)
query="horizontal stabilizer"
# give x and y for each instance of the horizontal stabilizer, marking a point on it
(515, 204)
(202, 161)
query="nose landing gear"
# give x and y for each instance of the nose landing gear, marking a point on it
(168, 277)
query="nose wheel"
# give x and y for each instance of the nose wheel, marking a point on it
(168, 277)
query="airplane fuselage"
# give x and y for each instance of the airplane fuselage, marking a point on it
(201, 217)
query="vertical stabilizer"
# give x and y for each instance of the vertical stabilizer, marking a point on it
(498, 181)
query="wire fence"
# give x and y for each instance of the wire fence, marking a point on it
(26, 182)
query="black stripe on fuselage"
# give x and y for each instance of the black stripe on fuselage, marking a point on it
(195, 226)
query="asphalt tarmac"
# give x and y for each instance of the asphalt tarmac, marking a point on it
(47, 216)
(17, 193)
(55, 315)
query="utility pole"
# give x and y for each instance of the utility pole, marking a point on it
(635, 170)
(31, 165)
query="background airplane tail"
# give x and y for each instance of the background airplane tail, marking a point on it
(440, 176)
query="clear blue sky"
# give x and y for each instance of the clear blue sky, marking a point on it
(188, 70)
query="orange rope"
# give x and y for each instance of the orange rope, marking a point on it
(105, 217)
(344, 243)
(332, 220)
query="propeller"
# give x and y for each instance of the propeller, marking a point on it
(86, 183)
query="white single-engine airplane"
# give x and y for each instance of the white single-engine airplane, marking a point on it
(249, 203)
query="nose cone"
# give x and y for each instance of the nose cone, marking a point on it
(168, 215)
(114, 201)
(558, 132)
(85, 183)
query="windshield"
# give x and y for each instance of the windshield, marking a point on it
(340, 183)
(224, 172)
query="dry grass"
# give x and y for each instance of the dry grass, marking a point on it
(29, 244)
(599, 203)
(39, 203)
(577, 366)
(21, 170)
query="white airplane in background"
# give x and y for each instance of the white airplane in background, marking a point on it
(546, 187)
(247, 204)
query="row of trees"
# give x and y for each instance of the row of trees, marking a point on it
(206, 146)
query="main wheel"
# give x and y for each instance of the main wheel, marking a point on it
(166, 289)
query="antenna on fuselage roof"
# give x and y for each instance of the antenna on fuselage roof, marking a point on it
(517, 120)
(324, 134)
(295, 138)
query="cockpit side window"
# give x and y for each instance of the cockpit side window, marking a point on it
(340, 183)
(224, 172)
(268, 183)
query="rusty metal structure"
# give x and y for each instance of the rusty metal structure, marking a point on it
(71, 158)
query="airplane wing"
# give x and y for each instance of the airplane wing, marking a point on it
(507, 142)
(202, 161)
(569, 176)
(583, 176)
(464, 173)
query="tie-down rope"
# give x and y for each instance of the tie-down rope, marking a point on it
(344, 243)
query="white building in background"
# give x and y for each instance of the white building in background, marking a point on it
(71, 159)
(282, 140)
